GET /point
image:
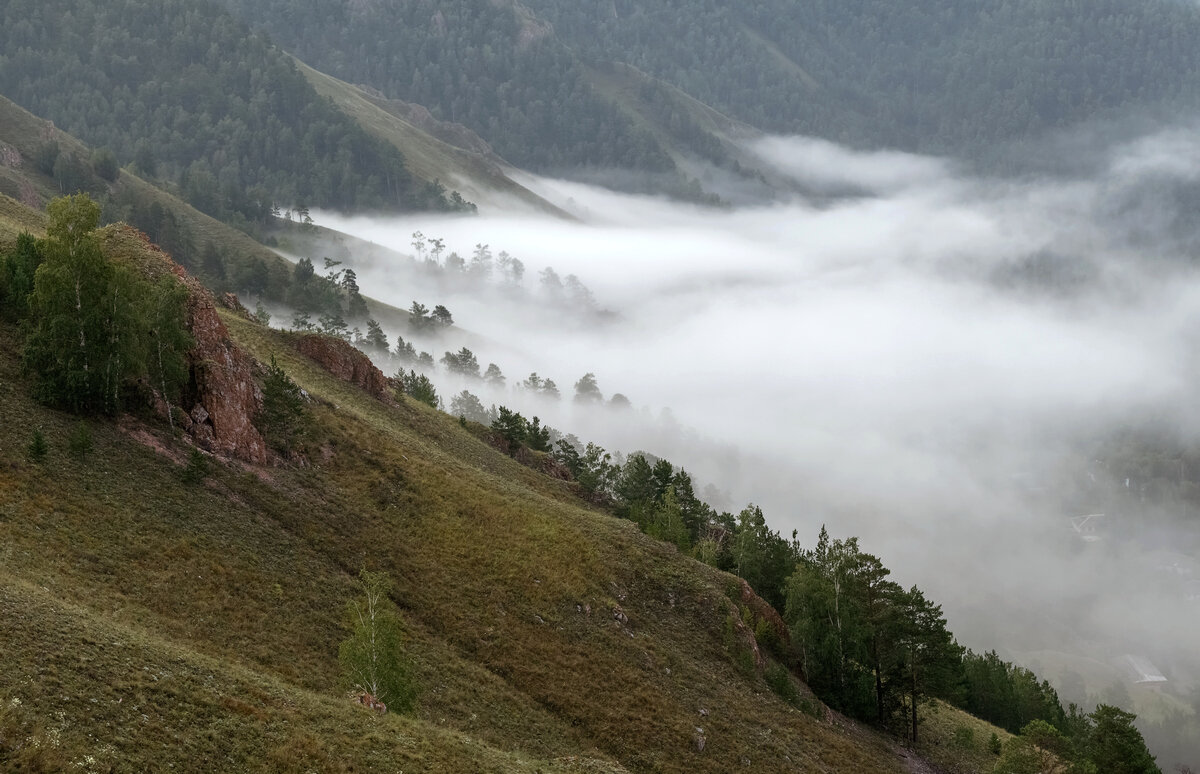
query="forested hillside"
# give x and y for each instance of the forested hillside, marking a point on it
(487, 65)
(927, 74)
(186, 94)
(933, 74)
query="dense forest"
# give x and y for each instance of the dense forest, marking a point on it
(486, 65)
(187, 95)
(932, 75)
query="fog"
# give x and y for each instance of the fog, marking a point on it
(936, 362)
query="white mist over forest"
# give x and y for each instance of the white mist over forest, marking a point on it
(928, 361)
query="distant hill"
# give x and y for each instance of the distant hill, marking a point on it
(933, 75)
(188, 96)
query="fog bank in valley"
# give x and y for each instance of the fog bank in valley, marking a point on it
(921, 357)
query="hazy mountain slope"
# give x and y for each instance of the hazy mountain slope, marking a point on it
(197, 625)
(931, 74)
(489, 66)
(190, 95)
(935, 74)
(474, 171)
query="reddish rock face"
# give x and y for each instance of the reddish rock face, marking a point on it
(223, 395)
(341, 359)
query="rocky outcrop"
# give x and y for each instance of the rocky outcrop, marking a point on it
(231, 302)
(341, 359)
(762, 613)
(222, 395)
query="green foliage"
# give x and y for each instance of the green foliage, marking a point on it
(38, 448)
(80, 443)
(780, 681)
(196, 469)
(538, 436)
(261, 315)
(376, 338)
(489, 67)
(867, 646)
(1115, 746)
(1007, 695)
(586, 389)
(94, 326)
(104, 163)
(812, 67)
(418, 318)
(282, 416)
(17, 271)
(994, 743)
(372, 658)
(468, 406)
(666, 521)
(193, 96)
(512, 428)
(420, 387)
(592, 469)
(462, 363)
(168, 339)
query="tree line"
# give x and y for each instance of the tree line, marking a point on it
(866, 645)
(95, 330)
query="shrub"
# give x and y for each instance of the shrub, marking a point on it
(37, 448)
(196, 468)
(80, 442)
(780, 681)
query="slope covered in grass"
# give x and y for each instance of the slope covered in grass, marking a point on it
(150, 622)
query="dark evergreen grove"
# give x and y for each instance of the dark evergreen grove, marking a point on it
(932, 75)
(187, 95)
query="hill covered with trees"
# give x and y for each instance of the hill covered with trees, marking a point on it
(931, 75)
(185, 94)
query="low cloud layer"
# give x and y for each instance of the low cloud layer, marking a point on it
(922, 361)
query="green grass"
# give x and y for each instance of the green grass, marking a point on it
(153, 623)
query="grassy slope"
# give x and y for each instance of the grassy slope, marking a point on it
(477, 178)
(149, 622)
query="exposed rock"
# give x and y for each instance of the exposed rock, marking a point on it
(341, 359)
(762, 611)
(699, 739)
(231, 302)
(225, 396)
(221, 388)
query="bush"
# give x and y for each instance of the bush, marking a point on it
(780, 681)
(37, 448)
(196, 468)
(80, 442)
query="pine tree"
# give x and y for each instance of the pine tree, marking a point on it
(282, 411)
